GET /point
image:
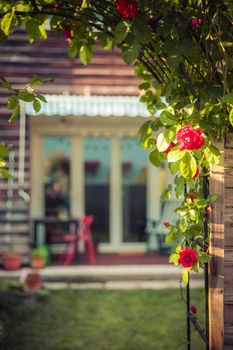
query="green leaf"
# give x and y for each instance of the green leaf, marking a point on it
(191, 183)
(106, 41)
(193, 214)
(174, 167)
(173, 258)
(213, 197)
(165, 138)
(167, 118)
(188, 166)
(73, 49)
(180, 186)
(36, 105)
(163, 141)
(5, 84)
(196, 267)
(183, 224)
(188, 109)
(212, 155)
(185, 276)
(37, 80)
(144, 86)
(8, 22)
(175, 154)
(42, 98)
(12, 102)
(228, 98)
(141, 29)
(204, 258)
(130, 53)
(35, 30)
(166, 194)
(121, 31)
(155, 157)
(3, 151)
(231, 116)
(5, 173)
(145, 133)
(26, 96)
(85, 54)
(16, 113)
(85, 4)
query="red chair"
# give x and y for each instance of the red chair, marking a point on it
(70, 251)
(85, 236)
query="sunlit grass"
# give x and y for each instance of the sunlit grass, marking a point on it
(100, 320)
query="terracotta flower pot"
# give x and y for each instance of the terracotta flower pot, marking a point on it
(11, 261)
(37, 262)
(33, 280)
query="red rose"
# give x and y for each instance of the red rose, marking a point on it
(166, 223)
(193, 309)
(196, 174)
(127, 8)
(190, 138)
(188, 257)
(171, 145)
(67, 33)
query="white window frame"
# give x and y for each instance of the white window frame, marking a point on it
(77, 128)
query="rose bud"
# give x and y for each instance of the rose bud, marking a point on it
(191, 196)
(193, 309)
(171, 145)
(195, 22)
(196, 174)
(166, 223)
(67, 33)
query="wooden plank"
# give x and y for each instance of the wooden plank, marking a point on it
(228, 312)
(228, 258)
(228, 334)
(216, 318)
(229, 197)
(216, 266)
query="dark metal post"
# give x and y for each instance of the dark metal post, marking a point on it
(187, 315)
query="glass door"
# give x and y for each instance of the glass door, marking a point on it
(97, 184)
(56, 175)
(134, 174)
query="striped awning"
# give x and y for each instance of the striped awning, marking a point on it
(91, 106)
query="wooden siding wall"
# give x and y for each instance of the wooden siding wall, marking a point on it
(106, 75)
(228, 260)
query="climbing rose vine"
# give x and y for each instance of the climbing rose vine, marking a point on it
(182, 53)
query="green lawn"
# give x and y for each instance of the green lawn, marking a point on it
(99, 320)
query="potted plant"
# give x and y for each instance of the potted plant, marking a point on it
(38, 257)
(11, 261)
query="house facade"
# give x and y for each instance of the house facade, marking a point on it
(84, 141)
